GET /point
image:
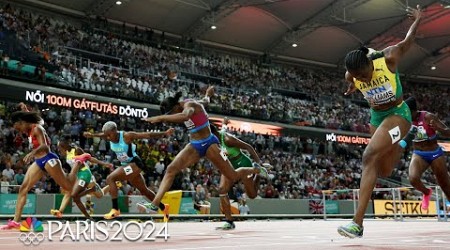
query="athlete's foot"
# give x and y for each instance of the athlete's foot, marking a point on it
(98, 193)
(114, 213)
(148, 207)
(351, 230)
(56, 213)
(10, 225)
(229, 225)
(426, 199)
(263, 172)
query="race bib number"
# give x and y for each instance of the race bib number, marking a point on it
(224, 155)
(81, 183)
(128, 170)
(52, 162)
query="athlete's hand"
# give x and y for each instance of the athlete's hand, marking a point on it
(108, 165)
(436, 125)
(154, 119)
(23, 107)
(210, 91)
(169, 132)
(28, 158)
(88, 134)
(414, 13)
(350, 89)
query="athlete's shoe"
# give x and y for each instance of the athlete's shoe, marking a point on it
(10, 225)
(227, 226)
(351, 230)
(56, 213)
(114, 213)
(83, 157)
(426, 199)
(98, 191)
(148, 207)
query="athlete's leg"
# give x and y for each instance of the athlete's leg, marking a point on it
(67, 193)
(54, 169)
(224, 187)
(440, 171)
(251, 185)
(32, 176)
(187, 157)
(416, 168)
(376, 162)
(213, 154)
(78, 188)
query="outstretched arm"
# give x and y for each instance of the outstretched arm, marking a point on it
(92, 135)
(147, 135)
(207, 99)
(175, 118)
(439, 126)
(394, 53)
(99, 162)
(351, 85)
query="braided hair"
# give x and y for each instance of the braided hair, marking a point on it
(29, 117)
(168, 104)
(357, 59)
(412, 104)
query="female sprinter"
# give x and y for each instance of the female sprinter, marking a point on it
(44, 160)
(122, 145)
(80, 176)
(233, 148)
(376, 76)
(203, 143)
(427, 152)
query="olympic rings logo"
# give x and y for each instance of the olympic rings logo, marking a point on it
(31, 238)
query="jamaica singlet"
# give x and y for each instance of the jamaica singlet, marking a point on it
(385, 86)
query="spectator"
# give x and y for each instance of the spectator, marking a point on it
(243, 207)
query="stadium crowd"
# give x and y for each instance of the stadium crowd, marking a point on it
(302, 166)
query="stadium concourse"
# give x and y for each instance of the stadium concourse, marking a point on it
(255, 235)
(277, 68)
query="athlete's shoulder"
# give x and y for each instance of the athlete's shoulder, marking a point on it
(376, 55)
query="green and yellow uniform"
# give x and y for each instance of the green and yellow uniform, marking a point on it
(384, 87)
(84, 174)
(235, 155)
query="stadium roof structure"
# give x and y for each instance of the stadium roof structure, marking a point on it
(323, 30)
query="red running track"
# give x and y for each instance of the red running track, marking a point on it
(280, 234)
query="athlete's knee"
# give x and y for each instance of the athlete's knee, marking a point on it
(414, 180)
(171, 171)
(443, 181)
(24, 188)
(223, 190)
(110, 179)
(75, 197)
(251, 195)
(369, 156)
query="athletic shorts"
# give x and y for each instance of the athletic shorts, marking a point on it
(377, 117)
(241, 161)
(201, 146)
(429, 156)
(84, 176)
(51, 158)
